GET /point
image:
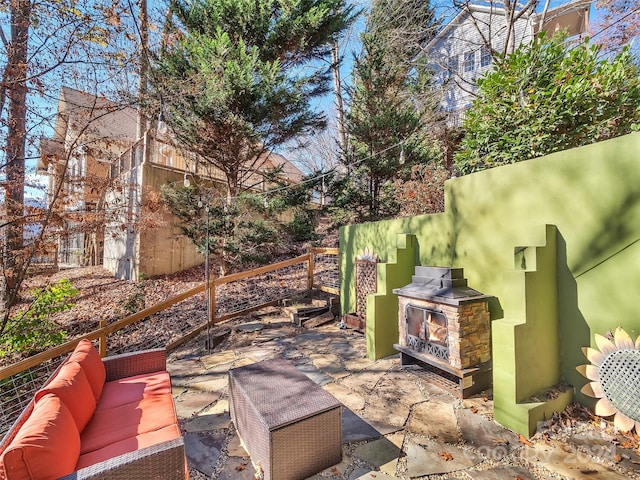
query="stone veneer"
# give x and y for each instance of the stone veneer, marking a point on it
(468, 329)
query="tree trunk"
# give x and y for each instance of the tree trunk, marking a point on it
(16, 88)
(143, 66)
(337, 89)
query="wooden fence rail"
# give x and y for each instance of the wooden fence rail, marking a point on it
(20, 381)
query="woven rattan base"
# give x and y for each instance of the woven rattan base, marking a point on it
(291, 427)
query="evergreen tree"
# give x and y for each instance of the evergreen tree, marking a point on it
(236, 79)
(390, 106)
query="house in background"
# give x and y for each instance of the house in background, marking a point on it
(135, 238)
(463, 50)
(89, 133)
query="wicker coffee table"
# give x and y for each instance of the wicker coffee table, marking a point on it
(290, 426)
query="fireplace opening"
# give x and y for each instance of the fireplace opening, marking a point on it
(427, 331)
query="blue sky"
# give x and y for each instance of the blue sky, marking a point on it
(326, 104)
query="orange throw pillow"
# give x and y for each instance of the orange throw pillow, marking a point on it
(46, 447)
(72, 387)
(89, 359)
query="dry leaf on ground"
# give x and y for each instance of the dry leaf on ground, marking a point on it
(446, 455)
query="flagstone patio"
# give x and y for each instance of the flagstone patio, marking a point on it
(396, 423)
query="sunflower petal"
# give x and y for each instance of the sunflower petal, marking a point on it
(589, 371)
(638, 343)
(593, 389)
(638, 427)
(622, 422)
(623, 340)
(604, 408)
(592, 372)
(594, 356)
(605, 345)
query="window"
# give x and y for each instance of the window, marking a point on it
(452, 66)
(485, 57)
(469, 61)
(449, 68)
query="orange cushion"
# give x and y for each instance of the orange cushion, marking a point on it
(89, 359)
(111, 425)
(133, 389)
(72, 387)
(46, 447)
(129, 445)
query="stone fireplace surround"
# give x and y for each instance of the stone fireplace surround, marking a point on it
(444, 289)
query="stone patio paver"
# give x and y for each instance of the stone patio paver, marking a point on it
(217, 383)
(561, 460)
(391, 467)
(384, 415)
(364, 382)
(347, 351)
(241, 362)
(190, 403)
(221, 406)
(250, 327)
(490, 439)
(434, 419)
(314, 374)
(216, 359)
(398, 386)
(378, 452)
(374, 476)
(203, 450)
(235, 448)
(357, 364)
(350, 399)
(237, 469)
(335, 471)
(480, 405)
(206, 422)
(329, 364)
(355, 429)
(183, 371)
(260, 352)
(267, 336)
(401, 426)
(501, 473)
(359, 473)
(429, 457)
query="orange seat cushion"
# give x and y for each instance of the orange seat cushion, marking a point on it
(128, 445)
(111, 425)
(89, 359)
(132, 389)
(72, 387)
(46, 447)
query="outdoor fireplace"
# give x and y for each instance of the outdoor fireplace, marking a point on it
(444, 326)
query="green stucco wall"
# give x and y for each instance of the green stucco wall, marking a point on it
(585, 202)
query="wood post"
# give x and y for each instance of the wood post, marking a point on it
(310, 274)
(102, 341)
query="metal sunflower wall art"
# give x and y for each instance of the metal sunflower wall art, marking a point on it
(614, 374)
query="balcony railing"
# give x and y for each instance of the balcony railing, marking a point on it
(163, 154)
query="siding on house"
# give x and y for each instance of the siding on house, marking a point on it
(96, 137)
(459, 53)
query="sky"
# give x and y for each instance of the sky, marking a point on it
(350, 46)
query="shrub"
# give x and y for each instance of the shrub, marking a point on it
(31, 330)
(546, 97)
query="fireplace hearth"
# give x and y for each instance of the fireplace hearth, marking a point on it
(444, 325)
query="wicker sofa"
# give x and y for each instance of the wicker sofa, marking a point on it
(110, 418)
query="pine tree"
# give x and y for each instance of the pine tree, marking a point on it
(236, 79)
(390, 105)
